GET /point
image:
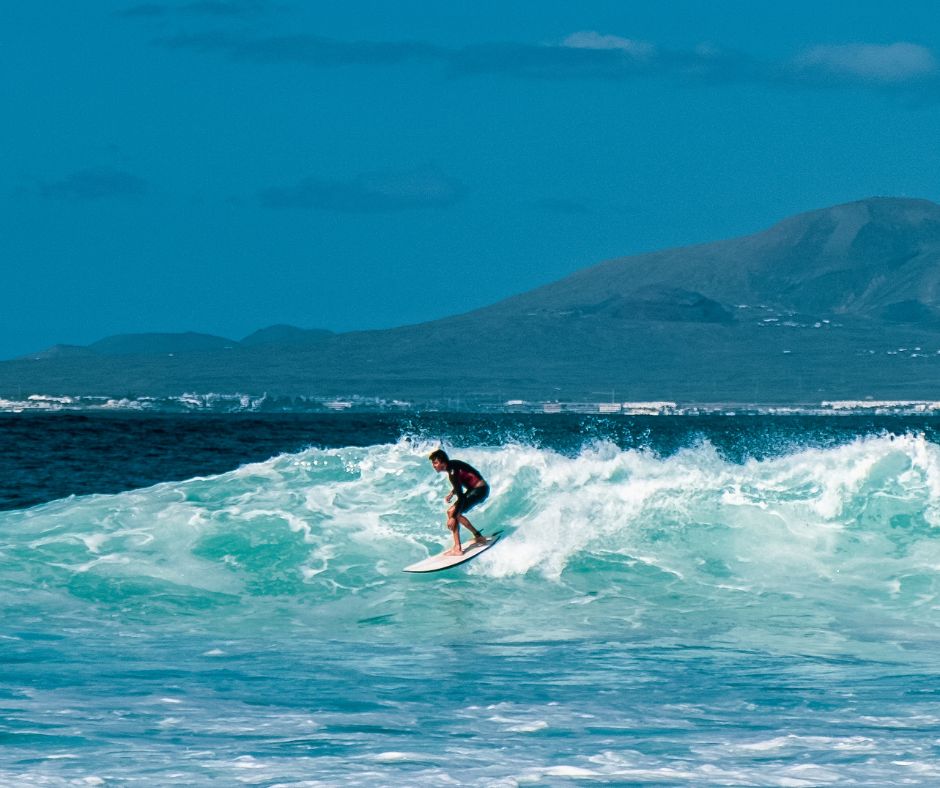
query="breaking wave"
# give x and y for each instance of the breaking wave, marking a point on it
(819, 549)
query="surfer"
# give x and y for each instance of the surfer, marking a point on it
(471, 489)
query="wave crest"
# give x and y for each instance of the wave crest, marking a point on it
(326, 532)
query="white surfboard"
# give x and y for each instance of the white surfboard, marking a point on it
(436, 563)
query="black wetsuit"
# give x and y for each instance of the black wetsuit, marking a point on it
(465, 481)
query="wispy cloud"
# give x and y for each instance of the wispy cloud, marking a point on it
(887, 64)
(544, 62)
(97, 183)
(591, 39)
(592, 55)
(370, 193)
(585, 54)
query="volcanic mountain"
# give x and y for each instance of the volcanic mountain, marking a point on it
(842, 302)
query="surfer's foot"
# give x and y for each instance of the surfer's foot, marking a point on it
(453, 551)
(481, 539)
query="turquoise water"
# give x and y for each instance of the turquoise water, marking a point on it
(650, 618)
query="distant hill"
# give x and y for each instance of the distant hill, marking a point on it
(842, 302)
(64, 351)
(158, 344)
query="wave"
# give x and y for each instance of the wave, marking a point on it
(842, 541)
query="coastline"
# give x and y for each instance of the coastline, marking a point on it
(220, 403)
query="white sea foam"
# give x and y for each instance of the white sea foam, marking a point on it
(680, 620)
(812, 532)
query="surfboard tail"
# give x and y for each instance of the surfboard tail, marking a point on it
(439, 562)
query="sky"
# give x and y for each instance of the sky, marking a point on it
(224, 165)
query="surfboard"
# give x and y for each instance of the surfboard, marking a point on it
(436, 563)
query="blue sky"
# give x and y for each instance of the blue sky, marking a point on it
(224, 165)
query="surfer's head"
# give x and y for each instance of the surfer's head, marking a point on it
(439, 460)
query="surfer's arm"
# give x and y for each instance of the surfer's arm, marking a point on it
(454, 487)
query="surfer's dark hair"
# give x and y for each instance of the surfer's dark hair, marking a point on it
(438, 454)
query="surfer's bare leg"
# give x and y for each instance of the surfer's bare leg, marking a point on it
(478, 538)
(454, 526)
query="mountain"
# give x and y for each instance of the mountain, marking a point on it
(63, 351)
(854, 259)
(158, 344)
(838, 303)
(152, 344)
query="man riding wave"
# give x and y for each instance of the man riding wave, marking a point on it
(470, 488)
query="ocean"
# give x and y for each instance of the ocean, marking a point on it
(218, 600)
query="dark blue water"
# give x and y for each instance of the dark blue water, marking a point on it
(48, 456)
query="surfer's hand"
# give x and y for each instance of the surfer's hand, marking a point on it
(448, 497)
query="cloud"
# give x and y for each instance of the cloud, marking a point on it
(883, 64)
(95, 184)
(581, 55)
(370, 193)
(546, 62)
(590, 39)
(591, 55)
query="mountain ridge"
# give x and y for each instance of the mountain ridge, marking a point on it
(719, 270)
(169, 342)
(840, 302)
